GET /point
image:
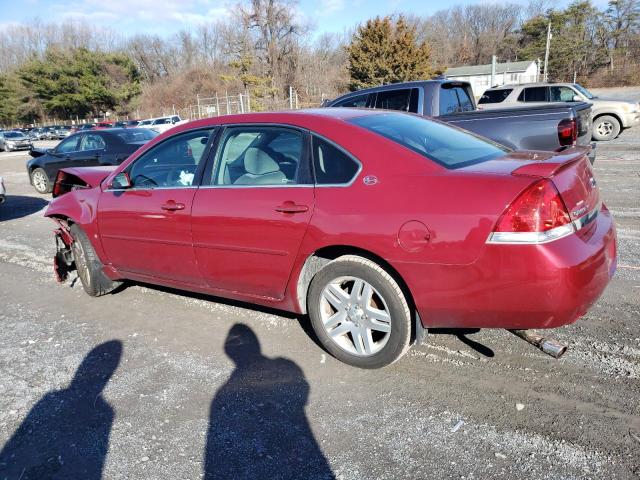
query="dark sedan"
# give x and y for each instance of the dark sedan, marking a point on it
(84, 149)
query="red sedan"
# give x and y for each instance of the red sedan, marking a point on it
(377, 224)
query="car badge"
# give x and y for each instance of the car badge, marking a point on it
(370, 180)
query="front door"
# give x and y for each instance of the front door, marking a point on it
(146, 229)
(64, 155)
(252, 211)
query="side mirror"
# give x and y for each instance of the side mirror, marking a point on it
(121, 181)
(577, 98)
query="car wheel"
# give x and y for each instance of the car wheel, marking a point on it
(88, 266)
(40, 181)
(359, 312)
(605, 128)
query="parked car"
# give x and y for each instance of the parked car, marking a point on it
(608, 116)
(378, 224)
(126, 124)
(84, 149)
(13, 140)
(3, 191)
(161, 124)
(63, 132)
(85, 126)
(545, 127)
(101, 125)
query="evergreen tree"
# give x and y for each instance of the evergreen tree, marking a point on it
(383, 51)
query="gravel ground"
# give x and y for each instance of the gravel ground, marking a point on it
(151, 383)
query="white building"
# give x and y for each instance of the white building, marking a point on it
(479, 76)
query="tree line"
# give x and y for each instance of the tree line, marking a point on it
(74, 69)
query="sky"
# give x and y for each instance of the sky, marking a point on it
(165, 17)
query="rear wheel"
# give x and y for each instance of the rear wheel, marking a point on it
(40, 181)
(605, 128)
(359, 312)
(88, 266)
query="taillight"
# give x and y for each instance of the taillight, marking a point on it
(58, 187)
(537, 215)
(568, 132)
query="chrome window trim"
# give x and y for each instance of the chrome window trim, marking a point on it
(539, 238)
(134, 189)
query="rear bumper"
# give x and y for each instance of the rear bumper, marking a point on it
(519, 286)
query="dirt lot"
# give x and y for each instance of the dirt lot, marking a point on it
(174, 388)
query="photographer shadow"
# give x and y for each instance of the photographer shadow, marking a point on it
(257, 424)
(66, 434)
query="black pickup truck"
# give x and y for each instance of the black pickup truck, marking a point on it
(554, 126)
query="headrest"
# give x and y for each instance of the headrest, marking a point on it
(258, 162)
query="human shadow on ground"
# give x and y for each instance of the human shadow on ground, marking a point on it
(18, 206)
(257, 422)
(66, 434)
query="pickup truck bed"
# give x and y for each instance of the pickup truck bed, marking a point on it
(520, 128)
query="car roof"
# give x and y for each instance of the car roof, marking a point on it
(532, 84)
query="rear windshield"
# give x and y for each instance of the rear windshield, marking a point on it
(136, 135)
(495, 96)
(450, 147)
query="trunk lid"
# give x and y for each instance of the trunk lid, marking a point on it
(569, 170)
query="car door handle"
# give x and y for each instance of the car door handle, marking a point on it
(290, 207)
(172, 206)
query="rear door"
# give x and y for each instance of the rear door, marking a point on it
(92, 147)
(252, 210)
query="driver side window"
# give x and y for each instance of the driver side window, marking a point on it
(171, 164)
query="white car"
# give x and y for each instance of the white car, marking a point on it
(3, 192)
(161, 124)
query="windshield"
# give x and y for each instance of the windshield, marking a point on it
(14, 135)
(136, 135)
(451, 147)
(583, 91)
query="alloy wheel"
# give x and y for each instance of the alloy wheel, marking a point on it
(40, 181)
(355, 316)
(605, 128)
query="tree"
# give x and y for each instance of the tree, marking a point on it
(574, 46)
(383, 51)
(81, 82)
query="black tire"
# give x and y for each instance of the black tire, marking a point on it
(40, 181)
(88, 266)
(399, 336)
(605, 128)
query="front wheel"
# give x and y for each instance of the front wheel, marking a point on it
(605, 128)
(88, 265)
(359, 312)
(40, 181)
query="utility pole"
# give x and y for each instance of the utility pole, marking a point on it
(546, 54)
(493, 71)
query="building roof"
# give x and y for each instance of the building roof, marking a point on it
(508, 67)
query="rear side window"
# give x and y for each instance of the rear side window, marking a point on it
(353, 102)
(454, 98)
(331, 165)
(405, 100)
(533, 94)
(561, 94)
(495, 96)
(450, 147)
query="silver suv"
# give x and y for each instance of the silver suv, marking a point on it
(609, 116)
